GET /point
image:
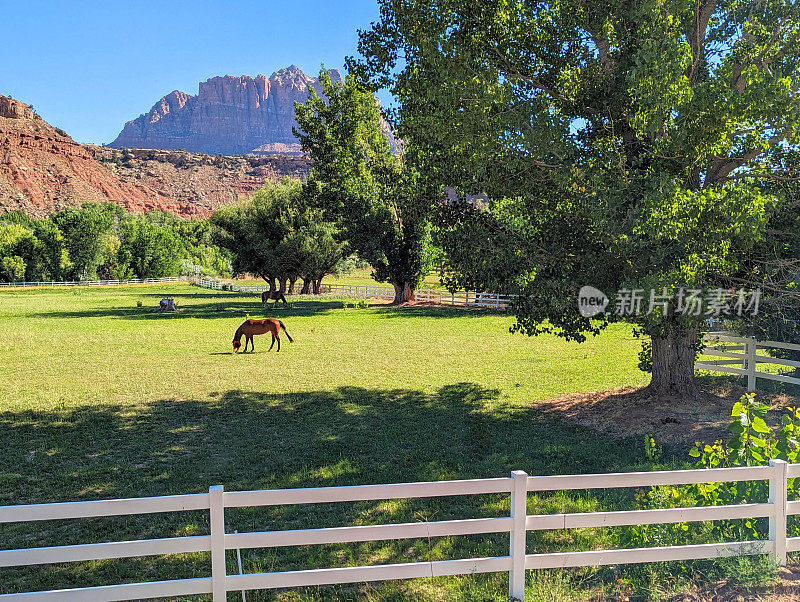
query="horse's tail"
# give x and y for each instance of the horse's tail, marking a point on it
(284, 330)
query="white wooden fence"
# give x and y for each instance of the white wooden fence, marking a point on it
(516, 524)
(442, 297)
(738, 355)
(91, 282)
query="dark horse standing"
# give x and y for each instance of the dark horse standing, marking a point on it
(275, 295)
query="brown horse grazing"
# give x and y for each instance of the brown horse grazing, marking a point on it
(251, 327)
(276, 295)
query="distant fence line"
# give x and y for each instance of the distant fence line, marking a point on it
(443, 297)
(738, 356)
(515, 524)
(92, 282)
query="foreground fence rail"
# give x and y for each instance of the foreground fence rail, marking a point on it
(739, 355)
(91, 282)
(516, 524)
(442, 297)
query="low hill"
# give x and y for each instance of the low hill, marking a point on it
(42, 170)
(203, 181)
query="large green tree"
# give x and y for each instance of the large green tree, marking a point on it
(86, 232)
(148, 249)
(31, 249)
(378, 199)
(276, 235)
(622, 144)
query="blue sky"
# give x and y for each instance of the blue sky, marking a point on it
(88, 67)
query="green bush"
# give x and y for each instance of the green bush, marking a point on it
(753, 443)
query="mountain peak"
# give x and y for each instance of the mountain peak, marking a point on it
(230, 115)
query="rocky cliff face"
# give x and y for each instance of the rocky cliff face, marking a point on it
(229, 116)
(42, 170)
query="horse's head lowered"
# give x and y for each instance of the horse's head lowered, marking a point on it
(236, 345)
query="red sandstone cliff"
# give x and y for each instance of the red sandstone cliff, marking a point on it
(229, 116)
(203, 180)
(42, 170)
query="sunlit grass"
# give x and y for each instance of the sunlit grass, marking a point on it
(102, 398)
(66, 347)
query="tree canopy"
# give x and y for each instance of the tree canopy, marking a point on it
(105, 241)
(376, 197)
(623, 145)
(278, 236)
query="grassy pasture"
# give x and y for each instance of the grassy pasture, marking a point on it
(102, 398)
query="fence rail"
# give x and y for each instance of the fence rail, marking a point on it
(92, 282)
(516, 524)
(442, 297)
(738, 355)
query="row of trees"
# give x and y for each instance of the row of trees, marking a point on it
(104, 241)
(361, 198)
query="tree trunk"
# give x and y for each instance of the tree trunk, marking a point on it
(673, 365)
(292, 280)
(403, 293)
(306, 286)
(270, 280)
(317, 284)
(282, 285)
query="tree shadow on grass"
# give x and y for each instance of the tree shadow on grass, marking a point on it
(225, 305)
(247, 440)
(440, 311)
(215, 307)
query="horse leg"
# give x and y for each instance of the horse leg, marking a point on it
(273, 344)
(249, 339)
(279, 342)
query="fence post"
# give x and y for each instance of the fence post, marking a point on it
(778, 498)
(519, 514)
(750, 350)
(218, 573)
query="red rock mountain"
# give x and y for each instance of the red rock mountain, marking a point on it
(42, 170)
(229, 116)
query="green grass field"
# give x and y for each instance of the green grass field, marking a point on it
(102, 398)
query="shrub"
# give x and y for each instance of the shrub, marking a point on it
(753, 443)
